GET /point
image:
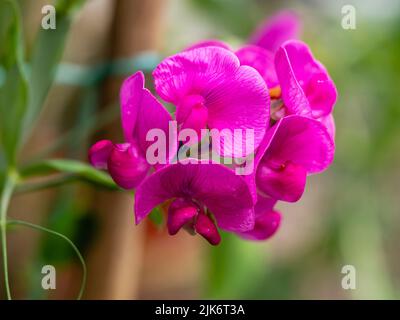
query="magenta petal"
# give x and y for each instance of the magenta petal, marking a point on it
(307, 88)
(131, 96)
(209, 43)
(184, 108)
(141, 112)
(276, 30)
(293, 95)
(127, 166)
(300, 140)
(193, 72)
(321, 94)
(217, 187)
(265, 227)
(154, 116)
(180, 212)
(264, 204)
(329, 122)
(286, 183)
(267, 220)
(99, 154)
(260, 59)
(236, 96)
(192, 113)
(206, 227)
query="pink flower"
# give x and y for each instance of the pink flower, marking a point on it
(293, 148)
(295, 76)
(205, 196)
(211, 89)
(140, 112)
(289, 69)
(299, 84)
(274, 86)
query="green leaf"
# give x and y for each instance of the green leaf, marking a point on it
(80, 169)
(46, 56)
(13, 86)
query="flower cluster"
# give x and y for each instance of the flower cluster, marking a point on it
(272, 86)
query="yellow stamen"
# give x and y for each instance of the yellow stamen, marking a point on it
(275, 92)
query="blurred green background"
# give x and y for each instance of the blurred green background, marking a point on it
(349, 215)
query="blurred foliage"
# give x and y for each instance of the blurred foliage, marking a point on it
(24, 85)
(236, 268)
(13, 91)
(229, 14)
(46, 55)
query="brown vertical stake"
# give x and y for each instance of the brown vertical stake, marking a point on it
(114, 263)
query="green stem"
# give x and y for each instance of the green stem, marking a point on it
(40, 228)
(6, 194)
